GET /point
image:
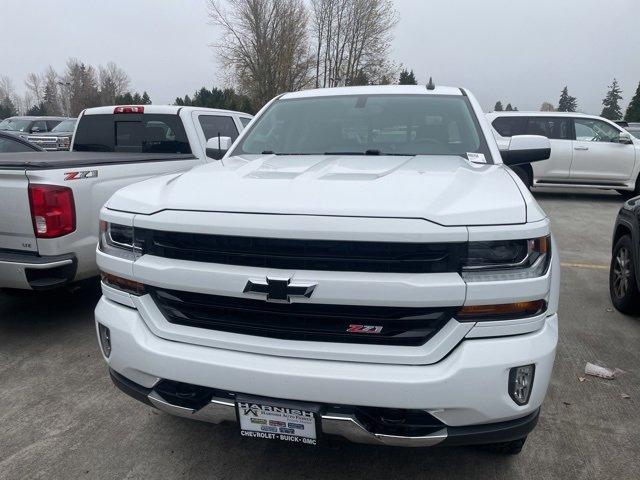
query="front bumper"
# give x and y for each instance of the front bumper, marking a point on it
(343, 424)
(33, 272)
(466, 388)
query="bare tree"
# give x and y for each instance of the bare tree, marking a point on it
(547, 107)
(35, 87)
(113, 81)
(352, 39)
(264, 44)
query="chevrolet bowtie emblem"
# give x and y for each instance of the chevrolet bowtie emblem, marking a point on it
(280, 289)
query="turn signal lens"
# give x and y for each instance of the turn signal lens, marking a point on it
(505, 311)
(124, 284)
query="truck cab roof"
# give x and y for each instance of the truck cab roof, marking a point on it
(159, 109)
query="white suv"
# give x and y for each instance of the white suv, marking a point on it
(360, 263)
(586, 151)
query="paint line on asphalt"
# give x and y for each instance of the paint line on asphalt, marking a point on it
(591, 266)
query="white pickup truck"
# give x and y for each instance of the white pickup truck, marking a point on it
(360, 263)
(49, 202)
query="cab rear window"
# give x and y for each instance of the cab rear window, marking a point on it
(146, 133)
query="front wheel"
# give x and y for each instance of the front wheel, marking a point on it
(623, 287)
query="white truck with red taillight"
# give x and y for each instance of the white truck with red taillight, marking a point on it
(49, 202)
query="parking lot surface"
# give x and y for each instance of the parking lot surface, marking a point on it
(60, 416)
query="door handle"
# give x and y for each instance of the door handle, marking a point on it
(581, 148)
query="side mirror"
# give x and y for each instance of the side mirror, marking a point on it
(218, 146)
(526, 149)
(625, 138)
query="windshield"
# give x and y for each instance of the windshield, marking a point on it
(65, 126)
(15, 125)
(367, 124)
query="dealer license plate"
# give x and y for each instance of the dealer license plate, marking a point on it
(286, 422)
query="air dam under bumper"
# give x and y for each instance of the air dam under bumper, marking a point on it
(466, 388)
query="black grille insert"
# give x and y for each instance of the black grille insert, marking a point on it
(296, 254)
(301, 321)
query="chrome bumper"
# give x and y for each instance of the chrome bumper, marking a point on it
(221, 410)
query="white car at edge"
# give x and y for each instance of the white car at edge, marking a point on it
(586, 151)
(360, 263)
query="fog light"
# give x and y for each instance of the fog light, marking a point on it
(521, 383)
(105, 339)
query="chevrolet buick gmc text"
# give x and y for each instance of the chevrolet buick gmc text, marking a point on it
(360, 263)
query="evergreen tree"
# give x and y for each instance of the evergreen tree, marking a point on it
(216, 98)
(567, 103)
(509, 108)
(146, 99)
(498, 107)
(51, 99)
(612, 109)
(407, 78)
(633, 111)
(7, 108)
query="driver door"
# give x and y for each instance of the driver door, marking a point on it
(598, 157)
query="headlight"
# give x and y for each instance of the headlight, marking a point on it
(507, 260)
(118, 240)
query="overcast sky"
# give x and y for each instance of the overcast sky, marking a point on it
(517, 51)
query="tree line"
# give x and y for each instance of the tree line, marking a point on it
(78, 87)
(611, 108)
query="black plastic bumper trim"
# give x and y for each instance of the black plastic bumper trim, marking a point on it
(131, 388)
(492, 432)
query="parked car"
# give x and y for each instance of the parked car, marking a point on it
(10, 143)
(361, 263)
(633, 128)
(586, 151)
(26, 125)
(59, 138)
(50, 201)
(623, 272)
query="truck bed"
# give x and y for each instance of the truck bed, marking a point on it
(53, 160)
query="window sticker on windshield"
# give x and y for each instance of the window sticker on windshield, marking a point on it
(476, 157)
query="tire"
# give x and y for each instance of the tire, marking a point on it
(506, 448)
(524, 176)
(623, 286)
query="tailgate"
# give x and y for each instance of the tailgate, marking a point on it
(16, 229)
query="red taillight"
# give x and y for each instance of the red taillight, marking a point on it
(129, 109)
(52, 210)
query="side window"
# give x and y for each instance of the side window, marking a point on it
(510, 126)
(214, 125)
(590, 130)
(39, 126)
(245, 121)
(11, 146)
(51, 124)
(551, 127)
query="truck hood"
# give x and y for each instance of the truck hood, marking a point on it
(448, 190)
